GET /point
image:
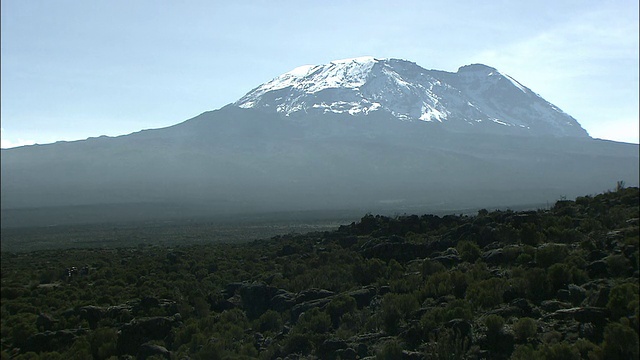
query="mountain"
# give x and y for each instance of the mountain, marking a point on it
(477, 98)
(359, 135)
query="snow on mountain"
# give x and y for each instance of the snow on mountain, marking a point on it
(477, 98)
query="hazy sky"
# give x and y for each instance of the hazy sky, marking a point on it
(75, 69)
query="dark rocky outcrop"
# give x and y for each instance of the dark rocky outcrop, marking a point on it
(147, 350)
(142, 330)
(50, 340)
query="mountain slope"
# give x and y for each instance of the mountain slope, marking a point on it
(253, 159)
(475, 99)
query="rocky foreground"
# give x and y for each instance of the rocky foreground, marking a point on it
(559, 283)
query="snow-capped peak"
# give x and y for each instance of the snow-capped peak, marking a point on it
(476, 97)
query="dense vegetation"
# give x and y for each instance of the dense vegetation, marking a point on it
(560, 283)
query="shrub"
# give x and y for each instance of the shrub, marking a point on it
(430, 267)
(270, 321)
(623, 300)
(395, 308)
(340, 305)
(494, 325)
(298, 344)
(561, 351)
(526, 352)
(550, 254)
(390, 351)
(620, 342)
(486, 293)
(525, 328)
(469, 251)
(103, 342)
(314, 321)
(558, 276)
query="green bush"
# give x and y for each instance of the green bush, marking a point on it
(525, 328)
(390, 351)
(395, 308)
(558, 276)
(620, 342)
(486, 293)
(469, 251)
(623, 300)
(494, 324)
(103, 342)
(340, 305)
(560, 351)
(314, 321)
(298, 344)
(270, 321)
(549, 254)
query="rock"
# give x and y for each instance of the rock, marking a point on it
(412, 355)
(596, 255)
(447, 260)
(49, 340)
(576, 294)
(594, 315)
(149, 302)
(283, 300)
(507, 311)
(120, 313)
(297, 310)
(231, 289)
(511, 294)
(142, 330)
(256, 298)
(598, 269)
(93, 314)
(45, 322)
(460, 327)
(312, 294)
(563, 295)
(329, 347)
(148, 350)
(602, 299)
(523, 305)
(494, 257)
(363, 296)
(554, 305)
(401, 251)
(347, 354)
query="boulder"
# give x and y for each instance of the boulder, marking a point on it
(598, 269)
(447, 260)
(148, 350)
(593, 315)
(45, 322)
(577, 294)
(312, 294)
(93, 314)
(347, 354)
(553, 305)
(494, 257)
(297, 310)
(49, 340)
(256, 298)
(142, 330)
(363, 296)
(328, 348)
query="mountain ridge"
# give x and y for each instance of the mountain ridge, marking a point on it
(237, 160)
(477, 98)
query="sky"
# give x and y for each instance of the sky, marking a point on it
(77, 69)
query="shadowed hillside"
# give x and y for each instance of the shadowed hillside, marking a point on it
(560, 283)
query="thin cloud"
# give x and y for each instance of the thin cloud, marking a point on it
(6, 143)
